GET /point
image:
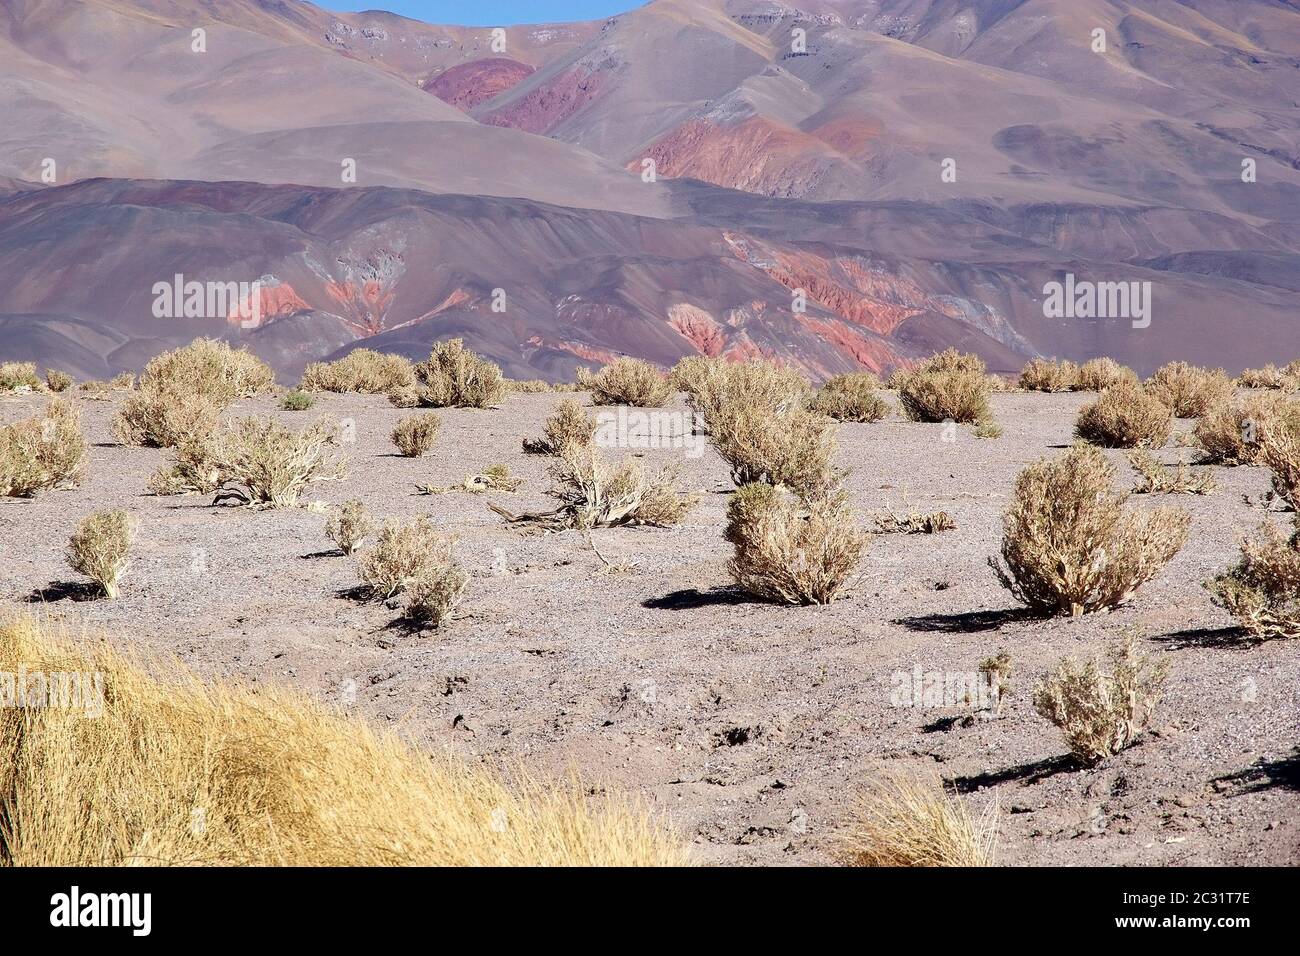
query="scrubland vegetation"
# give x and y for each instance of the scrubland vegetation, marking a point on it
(1074, 542)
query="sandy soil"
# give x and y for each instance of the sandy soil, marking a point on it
(749, 726)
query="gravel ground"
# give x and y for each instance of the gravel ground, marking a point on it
(749, 726)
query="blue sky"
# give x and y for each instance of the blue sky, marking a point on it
(490, 13)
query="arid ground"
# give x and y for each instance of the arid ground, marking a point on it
(748, 726)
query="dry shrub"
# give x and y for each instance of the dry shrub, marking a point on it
(1262, 591)
(209, 367)
(414, 436)
(851, 398)
(1279, 451)
(950, 386)
(361, 370)
(527, 386)
(1125, 416)
(98, 548)
(102, 391)
(254, 460)
(905, 821)
(350, 526)
(1101, 713)
(627, 381)
(1099, 374)
(57, 381)
(789, 551)
(1270, 376)
(726, 390)
(568, 425)
(1154, 478)
(595, 494)
(16, 375)
(1188, 390)
(1070, 544)
(793, 448)
(165, 416)
(177, 771)
(419, 559)
(43, 452)
(1049, 375)
(687, 375)
(1229, 433)
(453, 377)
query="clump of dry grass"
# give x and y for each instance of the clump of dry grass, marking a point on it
(16, 375)
(176, 771)
(905, 821)
(1099, 374)
(1229, 433)
(568, 425)
(1070, 544)
(1270, 376)
(1101, 713)
(361, 370)
(950, 386)
(1154, 478)
(527, 386)
(914, 522)
(627, 381)
(1049, 375)
(997, 670)
(296, 400)
(1125, 416)
(102, 391)
(453, 377)
(350, 526)
(491, 478)
(414, 436)
(1262, 591)
(789, 551)
(57, 381)
(98, 548)
(1188, 390)
(43, 452)
(851, 398)
(595, 494)
(257, 461)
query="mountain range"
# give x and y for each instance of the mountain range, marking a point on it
(673, 181)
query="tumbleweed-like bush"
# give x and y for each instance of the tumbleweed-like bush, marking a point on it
(627, 381)
(296, 400)
(1270, 376)
(726, 390)
(690, 372)
(1279, 451)
(1188, 390)
(361, 370)
(453, 377)
(1102, 712)
(212, 368)
(851, 398)
(57, 381)
(98, 548)
(254, 460)
(47, 451)
(950, 386)
(1262, 591)
(1230, 432)
(350, 526)
(1071, 545)
(1099, 374)
(165, 416)
(174, 770)
(793, 448)
(568, 425)
(789, 551)
(15, 375)
(1049, 375)
(595, 494)
(414, 436)
(905, 821)
(1125, 416)
(404, 552)
(1155, 478)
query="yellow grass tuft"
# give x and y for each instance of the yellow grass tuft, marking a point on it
(905, 821)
